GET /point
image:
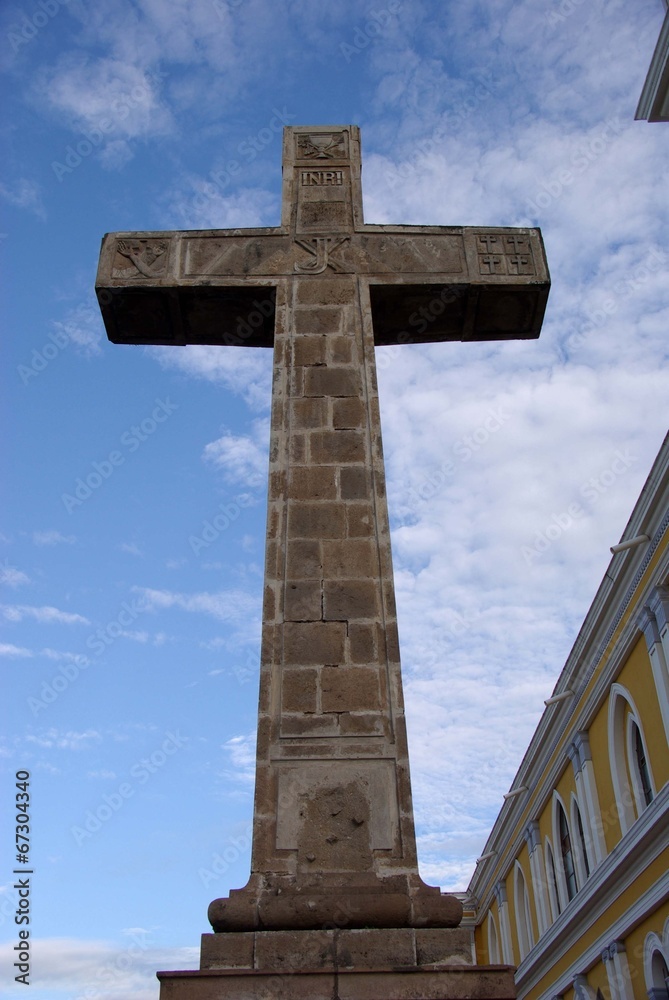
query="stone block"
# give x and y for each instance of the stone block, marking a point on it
(348, 413)
(302, 601)
(444, 945)
(309, 726)
(337, 447)
(346, 600)
(298, 449)
(347, 689)
(309, 350)
(371, 947)
(325, 291)
(350, 557)
(332, 382)
(293, 951)
(340, 349)
(316, 520)
(326, 319)
(359, 517)
(303, 559)
(299, 689)
(315, 643)
(233, 950)
(313, 482)
(309, 412)
(362, 643)
(361, 724)
(354, 483)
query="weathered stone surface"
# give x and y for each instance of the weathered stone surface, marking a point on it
(349, 557)
(337, 446)
(354, 483)
(344, 381)
(309, 483)
(348, 600)
(345, 689)
(312, 520)
(310, 350)
(314, 642)
(299, 690)
(307, 413)
(348, 413)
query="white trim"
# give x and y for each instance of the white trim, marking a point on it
(619, 701)
(523, 913)
(494, 955)
(540, 887)
(618, 872)
(633, 764)
(651, 946)
(563, 891)
(549, 856)
(578, 847)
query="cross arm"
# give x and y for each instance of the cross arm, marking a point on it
(160, 287)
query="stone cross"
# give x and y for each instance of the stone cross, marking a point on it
(333, 836)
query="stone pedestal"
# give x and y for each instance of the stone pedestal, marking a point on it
(360, 964)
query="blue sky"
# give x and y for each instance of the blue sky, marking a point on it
(129, 649)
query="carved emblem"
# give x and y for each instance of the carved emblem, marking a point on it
(147, 257)
(321, 145)
(320, 248)
(501, 254)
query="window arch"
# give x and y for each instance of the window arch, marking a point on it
(579, 842)
(637, 756)
(630, 766)
(551, 878)
(523, 913)
(564, 858)
(656, 964)
(494, 956)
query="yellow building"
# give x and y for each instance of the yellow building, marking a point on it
(573, 885)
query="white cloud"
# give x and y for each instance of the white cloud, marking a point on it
(105, 98)
(225, 605)
(24, 194)
(14, 652)
(131, 549)
(54, 739)
(82, 327)
(246, 372)
(52, 538)
(114, 971)
(12, 577)
(241, 751)
(242, 458)
(44, 615)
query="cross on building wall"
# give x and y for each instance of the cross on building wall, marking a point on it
(333, 817)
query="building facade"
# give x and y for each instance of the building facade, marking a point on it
(573, 885)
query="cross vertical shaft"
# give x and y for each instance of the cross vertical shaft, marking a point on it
(333, 820)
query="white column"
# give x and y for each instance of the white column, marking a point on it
(589, 800)
(618, 971)
(504, 925)
(539, 884)
(654, 623)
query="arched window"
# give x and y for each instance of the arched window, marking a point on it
(630, 766)
(493, 942)
(639, 757)
(583, 850)
(523, 914)
(567, 853)
(656, 964)
(553, 893)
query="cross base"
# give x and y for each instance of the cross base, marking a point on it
(284, 903)
(352, 964)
